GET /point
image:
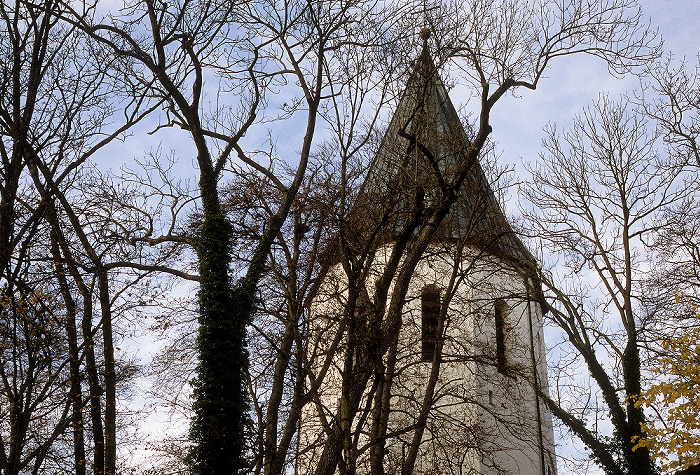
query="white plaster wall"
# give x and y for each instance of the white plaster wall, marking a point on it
(481, 421)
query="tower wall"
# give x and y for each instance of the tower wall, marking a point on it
(483, 415)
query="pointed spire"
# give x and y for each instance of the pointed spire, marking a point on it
(419, 152)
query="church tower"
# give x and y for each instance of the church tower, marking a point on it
(468, 362)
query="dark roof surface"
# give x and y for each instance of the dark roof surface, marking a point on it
(426, 116)
(694, 470)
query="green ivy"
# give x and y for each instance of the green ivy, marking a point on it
(221, 424)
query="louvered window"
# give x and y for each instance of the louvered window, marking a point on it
(500, 313)
(430, 299)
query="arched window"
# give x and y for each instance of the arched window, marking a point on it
(500, 311)
(430, 303)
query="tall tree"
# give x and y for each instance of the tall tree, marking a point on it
(252, 46)
(599, 194)
(670, 99)
(55, 113)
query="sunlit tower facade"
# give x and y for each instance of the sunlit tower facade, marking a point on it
(471, 327)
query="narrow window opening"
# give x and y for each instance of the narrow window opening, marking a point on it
(491, 398)
(430, 299)
(500, 311)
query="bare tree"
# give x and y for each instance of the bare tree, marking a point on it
(599, 194)
(55, 113)
(277, 375)
(35, 384)
(670, 97)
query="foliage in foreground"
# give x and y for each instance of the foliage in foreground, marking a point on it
(675, 444)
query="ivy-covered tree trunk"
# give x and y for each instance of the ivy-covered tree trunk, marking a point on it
(221, 399)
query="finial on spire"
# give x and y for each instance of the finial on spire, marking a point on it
(425, 33)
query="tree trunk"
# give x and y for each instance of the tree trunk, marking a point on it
(639, 460)
(93, 385)
(220, 389)
(110, 378)
(75, 377)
